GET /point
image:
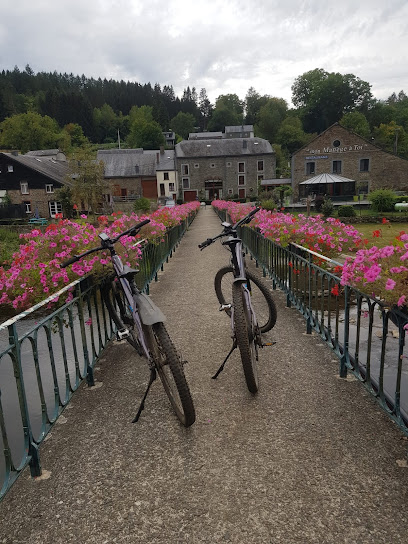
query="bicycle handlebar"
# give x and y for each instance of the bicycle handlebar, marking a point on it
(110, 241)
(229, 230)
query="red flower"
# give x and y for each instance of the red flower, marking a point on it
(384, 220)
(338, 269)
(75, 207)
(376, 233)
(335, 290)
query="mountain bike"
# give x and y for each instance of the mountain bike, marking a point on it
(139, 321)
(240, 293)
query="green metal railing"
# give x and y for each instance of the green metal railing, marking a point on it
(44, 357)
(367, 337)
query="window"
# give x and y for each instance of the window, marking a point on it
(196, 165)
(24, 187)
(212, 165)
(241, 180)
(27, 205)
(49, 188)
(310, 167)
(229, 164)
(230, 191)
(162, 189)
(260, 177)
(184, 169)
(336, 143)
(55, 207)
(186, 183)
(260, 166)
(171, 187)
(166, 176)
(364, 165)
(10, 168)
(241, 167)
(336, 167)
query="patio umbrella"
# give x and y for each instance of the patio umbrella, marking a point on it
(322, 179)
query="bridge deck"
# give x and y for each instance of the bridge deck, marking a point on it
(311, 459)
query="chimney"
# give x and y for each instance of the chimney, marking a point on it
(14, 153)
(244, 144)
(158, 157)
(162, 149)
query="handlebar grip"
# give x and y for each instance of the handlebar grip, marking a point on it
(205, 243)
(72, 260)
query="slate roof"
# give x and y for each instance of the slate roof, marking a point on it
(43, 152)
(239, 128)
(205, 135)
(233, 147)
(56, 170)
(135, 162)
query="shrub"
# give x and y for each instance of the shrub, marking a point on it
(269, 205)
(382, 200)
(327, 207)
(346, 211)
(142, 205)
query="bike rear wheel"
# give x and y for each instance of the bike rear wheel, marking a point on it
(261, 297)
(245, 335)
(170, 370)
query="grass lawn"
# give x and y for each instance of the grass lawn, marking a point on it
(388, 232)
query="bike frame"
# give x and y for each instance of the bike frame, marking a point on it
(131, 293)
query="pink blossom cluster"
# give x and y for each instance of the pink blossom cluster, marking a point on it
(35, 272)
(328, 236)
(380, 272)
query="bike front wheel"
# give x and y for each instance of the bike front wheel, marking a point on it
(245, 335)
(170, 369)
(261, 298)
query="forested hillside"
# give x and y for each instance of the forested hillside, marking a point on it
(41, 109)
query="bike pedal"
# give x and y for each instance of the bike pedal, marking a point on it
(268, 344)
(225, 307)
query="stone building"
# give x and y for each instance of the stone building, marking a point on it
(32, 180)
(363, 166)
(217, 168)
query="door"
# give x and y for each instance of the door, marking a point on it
(149, 188)
(241, 193)
(189, 196)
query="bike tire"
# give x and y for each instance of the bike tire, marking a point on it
(262, 300)
(245, 337)
(120, 315)
(170, 369)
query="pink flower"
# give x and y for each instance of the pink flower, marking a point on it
(390, 284)
(401, 301)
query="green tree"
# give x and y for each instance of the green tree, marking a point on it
(222, 117)
(270, 118)
(382, 200)
(86, 178)
(205, 107)
(182, 124)
(392, 138)
(253, 103)
(231, 102)
(29, 132)
(357, 122)
(323, 97)
(76, 134)
(64, 196)
(106, 124)
(291, 135)
(145, 135)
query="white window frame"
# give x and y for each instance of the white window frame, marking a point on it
(27, 205)
(54, 207)
(185, 171)
(24, 185)
(10, 168)
(49, 188)
(239, 180)
(172, 186)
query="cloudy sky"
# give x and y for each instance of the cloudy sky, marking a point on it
(225, 46)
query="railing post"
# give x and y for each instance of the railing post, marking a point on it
(89, 370)
(34, 462)
(309, 319)
(344, 357)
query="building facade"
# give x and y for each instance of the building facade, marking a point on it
(32, 180)
(343, 153)
(216, 168)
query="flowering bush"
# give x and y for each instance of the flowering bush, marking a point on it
(34, 272)
(327, 236)
(381, 272)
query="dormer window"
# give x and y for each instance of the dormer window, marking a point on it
(10, 168)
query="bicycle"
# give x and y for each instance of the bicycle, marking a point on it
(141, 323)
(238, 291)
